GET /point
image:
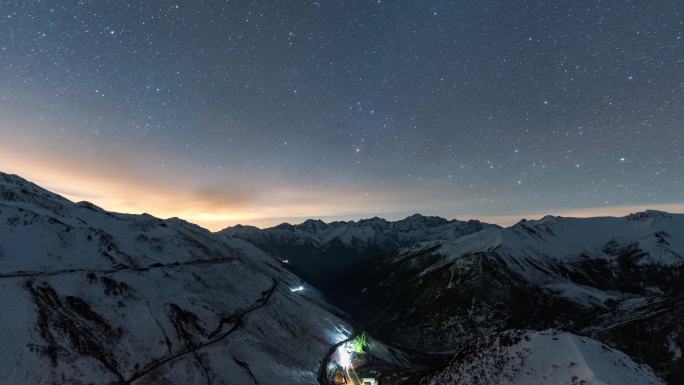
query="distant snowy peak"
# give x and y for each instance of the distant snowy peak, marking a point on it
(550, 358)
(649, 214)
(418, 221)
(413, 222)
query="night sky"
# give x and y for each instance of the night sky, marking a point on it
(264, 111)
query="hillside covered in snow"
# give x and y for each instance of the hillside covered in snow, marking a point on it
(548, 357)
(615, 279)
(92, 297)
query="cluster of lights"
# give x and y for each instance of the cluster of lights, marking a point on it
(298, 288)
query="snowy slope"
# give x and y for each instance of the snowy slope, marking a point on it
(589, 261)
(91, 297)
(549, 358)
(534, 248)
(42, 231)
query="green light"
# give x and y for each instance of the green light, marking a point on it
(359, 343)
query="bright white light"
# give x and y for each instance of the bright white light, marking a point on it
(298, 288)
(286, 261)
(345, 357)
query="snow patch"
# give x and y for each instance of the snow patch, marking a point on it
(549, 358)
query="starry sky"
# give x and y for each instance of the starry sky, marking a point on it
(258, 112)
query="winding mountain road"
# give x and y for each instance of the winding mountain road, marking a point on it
(237, 324)
(200, 262)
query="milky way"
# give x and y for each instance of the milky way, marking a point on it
(287, 109)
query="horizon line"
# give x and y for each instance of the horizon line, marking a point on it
(215, 223)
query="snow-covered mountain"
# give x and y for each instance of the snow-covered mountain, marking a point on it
(532, 358)
(317, 250)
(96, 297)
(91, 297)
(604, 277)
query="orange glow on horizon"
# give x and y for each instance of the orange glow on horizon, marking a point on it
(127, 191)
(130, 193)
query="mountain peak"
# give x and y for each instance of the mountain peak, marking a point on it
(313, 225)
(15, 181)
(18, 189)
(90, 206)
(416, 221)
(375, 219)
(12, 179)
(647, 214)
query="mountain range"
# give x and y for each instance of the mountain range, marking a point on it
(93, 297)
